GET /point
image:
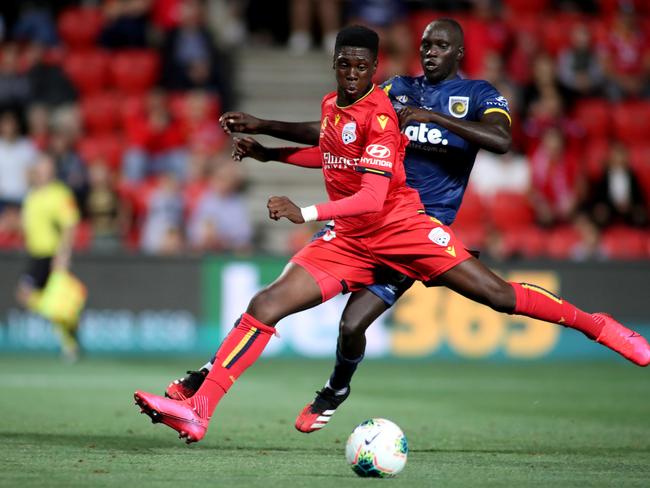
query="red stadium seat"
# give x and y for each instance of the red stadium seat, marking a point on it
(83, 237)
(79, 27)
(135, 71)
(179, 106)
(88, 70)
(556, 31)
(595, 155)
(528, 242)
(631, 122)
(471, 211)
(107, 147)
(623, 243)
(595, 117)
(562, 243)
(518, 7)
(509, 211)
(100, 112)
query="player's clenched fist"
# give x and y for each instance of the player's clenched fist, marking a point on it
(247, 147)
(239, 122)
(283, 207)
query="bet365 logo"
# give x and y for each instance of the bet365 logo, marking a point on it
(422, 134)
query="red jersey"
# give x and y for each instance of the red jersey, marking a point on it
(365, 137)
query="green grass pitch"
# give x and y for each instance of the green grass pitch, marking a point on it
(468, 424)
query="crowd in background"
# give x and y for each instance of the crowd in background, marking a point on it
(124, 94)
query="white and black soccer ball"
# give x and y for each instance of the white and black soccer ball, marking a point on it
(377, 448)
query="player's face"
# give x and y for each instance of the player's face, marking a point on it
(440, 52)
(354, 68)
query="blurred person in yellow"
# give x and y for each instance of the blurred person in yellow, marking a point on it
(50, 217)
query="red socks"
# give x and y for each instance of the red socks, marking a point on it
(239, 350)
(538, 303)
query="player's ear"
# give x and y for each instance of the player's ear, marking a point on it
(461, 53)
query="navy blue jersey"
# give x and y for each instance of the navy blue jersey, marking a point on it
(438, 162)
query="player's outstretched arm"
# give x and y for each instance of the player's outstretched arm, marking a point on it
(247, 147)
(491, 133)
(300, 132)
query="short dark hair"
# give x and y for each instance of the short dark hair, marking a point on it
(357, 36)
(454, 25)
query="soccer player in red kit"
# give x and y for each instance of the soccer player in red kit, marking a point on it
(379, 223)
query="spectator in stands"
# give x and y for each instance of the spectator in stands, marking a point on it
(202, 134)
(389, 18)
(35, 24)
(220, 221)
(617, 195)
(301, 12)
(70, 169)
(49, 83)
(15, 90)
(17, 155)
(107, 214)
(544, 83)
(126, 25)
(579, 68)
(163, 223)
(626, 58)
(547, 112)
(555, 186)
(486, 32)
(155, 142)
(38, 125)
(493, 173)
(190, 57)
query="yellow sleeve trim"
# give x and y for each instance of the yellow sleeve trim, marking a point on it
(499, 110)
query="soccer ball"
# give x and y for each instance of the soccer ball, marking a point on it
(377, 448)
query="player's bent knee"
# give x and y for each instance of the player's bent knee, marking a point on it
(264, 306)
(350, 328)
(501, 297)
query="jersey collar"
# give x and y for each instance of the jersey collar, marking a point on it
(372, 88)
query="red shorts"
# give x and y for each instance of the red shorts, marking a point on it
(420, 247)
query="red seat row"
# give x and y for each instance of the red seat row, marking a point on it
(130, 71)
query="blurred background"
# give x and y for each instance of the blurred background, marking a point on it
(175, 239)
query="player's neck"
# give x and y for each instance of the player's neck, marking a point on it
(343, 101)
(450, 76)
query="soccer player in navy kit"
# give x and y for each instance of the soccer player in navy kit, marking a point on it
(447, 120)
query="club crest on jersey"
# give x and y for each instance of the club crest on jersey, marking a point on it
(349, 133)
(329, 235)
(458, 106)
(439, 236)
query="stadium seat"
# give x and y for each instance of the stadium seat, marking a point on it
(528, 242)
(518, 7)
(556, 31)
(134, 71)
(83, 237)
(88, 70)
(594, 116)
(624, 243)
(100, 112)
(631, 121)
(471, 211)
(79, 27)
(108, 147)
(179, 106)
(473, 237)
(509, 211)
(562, 242)
(595, 154)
